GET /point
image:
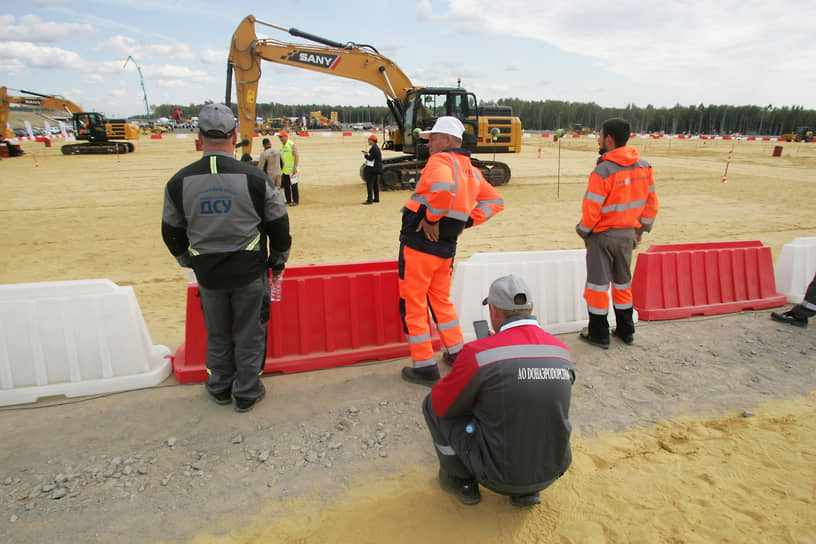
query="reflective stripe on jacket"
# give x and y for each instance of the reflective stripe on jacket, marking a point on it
(517, 387)
(452, 192)
(288, 156)
(621, 193)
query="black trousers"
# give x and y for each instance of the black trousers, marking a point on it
(807, 308)
(372, 184)
(290, 191)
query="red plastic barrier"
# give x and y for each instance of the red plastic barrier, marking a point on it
(303, 134)
(680, 280)
(329, 316)
(155, 137)
(347, 134)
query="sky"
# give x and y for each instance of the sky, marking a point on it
(683, 52)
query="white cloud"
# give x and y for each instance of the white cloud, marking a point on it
(214, 56)
(12, 67)
(32, 28)
(39, 56)
(424, 12)
(170, 71)
(125, 46)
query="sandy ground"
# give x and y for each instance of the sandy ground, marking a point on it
(703, 431)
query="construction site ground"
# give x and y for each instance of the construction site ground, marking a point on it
(702, 431)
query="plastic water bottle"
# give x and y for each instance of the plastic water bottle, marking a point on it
(276, 287)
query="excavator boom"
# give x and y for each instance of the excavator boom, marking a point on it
(35, 100)
(487, 130)
(351, 61)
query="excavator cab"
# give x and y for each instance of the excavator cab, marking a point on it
(90, 126)
(424, 106)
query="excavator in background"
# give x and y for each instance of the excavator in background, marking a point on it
(488, 129)
(99, 133)
(802, 134)
(317, 120)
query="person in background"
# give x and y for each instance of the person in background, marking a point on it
(290, 158)
(619, 205)
(500, 417)
(799, 314)
(270, 162)
(373, 169)
(225, 221)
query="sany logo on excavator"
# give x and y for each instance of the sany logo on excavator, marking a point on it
(314, 59)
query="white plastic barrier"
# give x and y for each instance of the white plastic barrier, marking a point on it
(556, 278)
(795, 268)
(74, 338)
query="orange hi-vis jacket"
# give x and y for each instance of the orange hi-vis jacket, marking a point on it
(452, 192)
(621, 194)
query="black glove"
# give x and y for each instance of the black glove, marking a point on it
(185, 260)
(274, 265)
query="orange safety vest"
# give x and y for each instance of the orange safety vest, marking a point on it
(621, 194)
(452, 187)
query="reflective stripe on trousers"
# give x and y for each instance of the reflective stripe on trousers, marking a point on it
(424, 282)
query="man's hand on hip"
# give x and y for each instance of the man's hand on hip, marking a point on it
(431, 230)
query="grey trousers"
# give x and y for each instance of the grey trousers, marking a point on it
(451, 443)
(236, 321)
(609, 259)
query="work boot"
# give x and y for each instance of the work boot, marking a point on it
(625, 329)
(597, 333)
(466, 490)
(245, 405)
(426, 375)
(449, 358)
(789, 318)
(525, 500)
(223, 397)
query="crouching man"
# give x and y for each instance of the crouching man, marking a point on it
(500, 418)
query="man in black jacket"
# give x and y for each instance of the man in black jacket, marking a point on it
(223, 219)
(373, 169)
(500, 418)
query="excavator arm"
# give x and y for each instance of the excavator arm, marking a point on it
(352, 61)
(34, 100)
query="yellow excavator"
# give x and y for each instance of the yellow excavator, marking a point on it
(99, 133)
(488, 129)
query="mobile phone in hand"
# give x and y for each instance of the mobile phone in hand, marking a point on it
(481, 328)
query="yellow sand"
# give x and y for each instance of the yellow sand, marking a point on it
(732, 479)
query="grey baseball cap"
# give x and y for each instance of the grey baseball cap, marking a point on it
(216, 121)
(509, 293)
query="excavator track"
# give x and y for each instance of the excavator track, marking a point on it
(402, 173)
(98, 148)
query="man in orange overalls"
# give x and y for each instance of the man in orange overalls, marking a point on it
(451, 196)
(619, 205)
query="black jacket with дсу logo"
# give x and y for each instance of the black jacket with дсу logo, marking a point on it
(218, 214)
(516, 384)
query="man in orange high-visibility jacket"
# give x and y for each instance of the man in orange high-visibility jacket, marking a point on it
(451, 195)
(619, 205)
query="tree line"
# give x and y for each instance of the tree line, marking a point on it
(554, 114)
